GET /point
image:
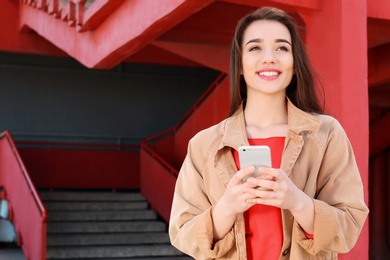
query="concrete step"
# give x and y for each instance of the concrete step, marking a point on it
(101, 215)
(104, 252)
(109, 227)
(11, 251)
(105, 225)
(107, 239)
(88, 206)
(90, 196)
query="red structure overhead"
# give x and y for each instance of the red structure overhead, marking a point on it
(340, 35)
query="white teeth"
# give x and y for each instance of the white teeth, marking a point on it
(268, 73)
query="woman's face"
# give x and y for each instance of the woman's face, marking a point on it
(267, 58)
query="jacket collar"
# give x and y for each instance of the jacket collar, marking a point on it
(234, 134)
(300, 121)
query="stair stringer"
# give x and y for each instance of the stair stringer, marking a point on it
(126, 31)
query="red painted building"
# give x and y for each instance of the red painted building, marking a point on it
(348, 42)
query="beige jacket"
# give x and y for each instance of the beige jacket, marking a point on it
(317, 157)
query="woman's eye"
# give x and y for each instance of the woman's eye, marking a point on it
(282, 48)
(254, 48)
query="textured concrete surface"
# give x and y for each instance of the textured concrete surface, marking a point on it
(7, 231)
(11, 253)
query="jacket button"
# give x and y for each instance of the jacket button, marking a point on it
(285, 252)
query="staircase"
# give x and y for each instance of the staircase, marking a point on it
(105, 225)
(11, 251)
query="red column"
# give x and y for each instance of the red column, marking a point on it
(336, 38)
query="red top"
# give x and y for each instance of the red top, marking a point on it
(263, 224)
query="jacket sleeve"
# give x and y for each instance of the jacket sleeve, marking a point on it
(191, 226)
(340, 210)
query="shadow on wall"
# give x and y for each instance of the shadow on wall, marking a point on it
(57, 96)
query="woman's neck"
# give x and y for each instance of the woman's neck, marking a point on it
(266, 117)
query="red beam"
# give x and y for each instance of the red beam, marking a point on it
(154, 55)
(378, 9)
(285, 4)
(212, 56)
(129, 29)
(379, 135)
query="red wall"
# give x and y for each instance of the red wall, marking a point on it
(84, 169)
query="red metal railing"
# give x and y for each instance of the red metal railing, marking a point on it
(71, 11)
(81, 14)
(26, 210)
(162, 154)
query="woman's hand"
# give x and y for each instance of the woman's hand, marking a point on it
(236, 197)
(235, 200)
(274, 188)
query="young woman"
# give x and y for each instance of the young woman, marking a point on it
(310, 204)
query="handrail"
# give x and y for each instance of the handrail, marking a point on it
(6, 134)
(163, 162)
(72, 12)
(202, 98)
(154, 137)
(26, 210)
(158, 176)
(174, 129)
(82, 14)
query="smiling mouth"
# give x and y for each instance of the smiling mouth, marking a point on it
(268, 73)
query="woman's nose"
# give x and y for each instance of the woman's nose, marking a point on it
(268, 56)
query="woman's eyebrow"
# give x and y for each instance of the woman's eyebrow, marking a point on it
(261, 40)
(254, 40)
(283, 40)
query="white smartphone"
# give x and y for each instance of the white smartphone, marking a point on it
(256, 155)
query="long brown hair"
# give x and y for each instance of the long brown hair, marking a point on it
(301, 90)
